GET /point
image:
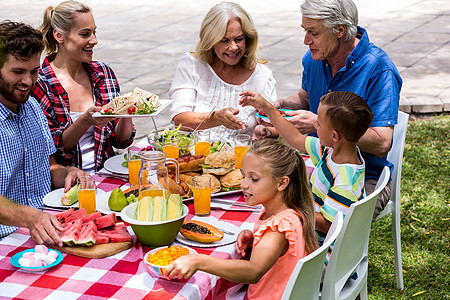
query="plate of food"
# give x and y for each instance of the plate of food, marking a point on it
(54, 198)
(39, 258)
(282, 111)
(135, 104)
(215, 239)
(115, 164)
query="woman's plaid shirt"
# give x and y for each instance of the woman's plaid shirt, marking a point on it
(54, 100)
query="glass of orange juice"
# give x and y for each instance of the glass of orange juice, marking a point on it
(202, 195)
(170, 148)
(86, 193)
(242, 143)
(202, 143)
(134, 166)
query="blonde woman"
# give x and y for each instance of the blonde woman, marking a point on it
(71, 87)
(224, 64)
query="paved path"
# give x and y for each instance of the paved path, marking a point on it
(142, 40)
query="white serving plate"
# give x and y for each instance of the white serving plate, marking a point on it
(227, 238)
(53, 199)
(164, 104)
(114, 164)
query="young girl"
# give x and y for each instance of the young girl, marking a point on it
(274, 176)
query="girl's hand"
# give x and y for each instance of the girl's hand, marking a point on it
(227, 117)
(87, 117)
(244, 240)
(254, 99)
(183, 267)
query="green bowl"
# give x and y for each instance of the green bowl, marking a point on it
(153, 234)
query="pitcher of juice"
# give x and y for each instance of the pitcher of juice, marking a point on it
(153, 176)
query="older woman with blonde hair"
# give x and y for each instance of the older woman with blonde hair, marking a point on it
(224, 64)
(71, 87)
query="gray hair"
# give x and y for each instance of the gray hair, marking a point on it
(61, 19)
(333, 13)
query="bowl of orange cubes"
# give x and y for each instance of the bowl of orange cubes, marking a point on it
(157, 260)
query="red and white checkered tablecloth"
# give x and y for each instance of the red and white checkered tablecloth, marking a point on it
(121, 276)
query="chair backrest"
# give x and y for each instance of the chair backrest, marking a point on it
(305, 279)
(395, 155)
(350, 247)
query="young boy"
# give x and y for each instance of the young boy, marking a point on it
(338, 178)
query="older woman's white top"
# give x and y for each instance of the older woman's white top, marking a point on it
(196, 87)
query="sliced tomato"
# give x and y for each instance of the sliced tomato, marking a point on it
(109, 110)
(131, 110)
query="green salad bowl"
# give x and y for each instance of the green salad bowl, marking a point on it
(153, 234)
(185, 145)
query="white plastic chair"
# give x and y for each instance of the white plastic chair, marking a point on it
(395, 156)
(350, 249)
(305, 279)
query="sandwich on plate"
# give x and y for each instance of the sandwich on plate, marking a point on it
(219, 163)
(231, 181)
(133, 103)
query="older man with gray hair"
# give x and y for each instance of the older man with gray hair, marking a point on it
(341, 58)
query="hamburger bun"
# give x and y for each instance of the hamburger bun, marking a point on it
(215, 183)
(219, 163)
(231, 181)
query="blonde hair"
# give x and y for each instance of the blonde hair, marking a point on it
(282, 160)
(214, 28)
(61, 19)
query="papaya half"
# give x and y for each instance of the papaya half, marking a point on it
(200, 232)
(132, 190)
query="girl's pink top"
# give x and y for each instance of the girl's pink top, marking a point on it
(273, 283)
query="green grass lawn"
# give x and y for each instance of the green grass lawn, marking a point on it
(425, 219)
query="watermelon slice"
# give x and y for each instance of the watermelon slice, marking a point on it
(92, 216)
(70, 215)
(118, 233)
(71, 233)
(64, 214)
(88, 234)
(101, 239)
(106, 221)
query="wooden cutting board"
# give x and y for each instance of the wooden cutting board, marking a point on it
(96, 251)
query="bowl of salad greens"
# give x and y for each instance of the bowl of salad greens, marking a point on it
(181, 134)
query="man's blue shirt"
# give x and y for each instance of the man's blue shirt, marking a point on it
(25, 148)
(369, 73)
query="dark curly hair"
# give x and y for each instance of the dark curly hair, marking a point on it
(20, 40)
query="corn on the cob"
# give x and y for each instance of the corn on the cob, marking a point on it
(159, 209)
(175, 207)
(70, 197)
(142, 208)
